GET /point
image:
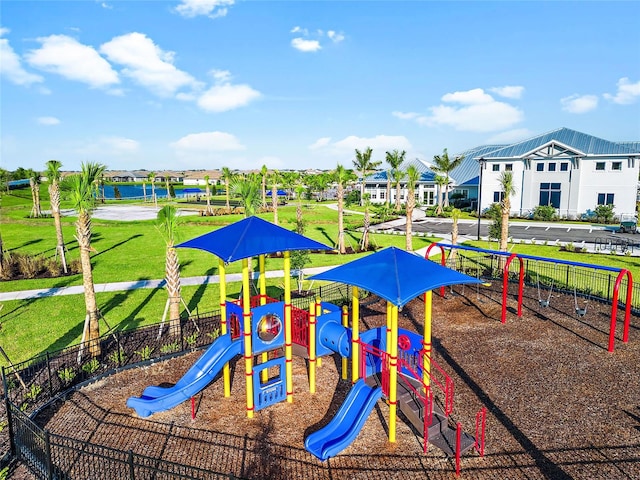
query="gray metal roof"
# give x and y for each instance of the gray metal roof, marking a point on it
(426, 174)
(469, 167)
(579, 142)
(635, 146)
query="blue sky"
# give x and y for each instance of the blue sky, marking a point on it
(192, 84)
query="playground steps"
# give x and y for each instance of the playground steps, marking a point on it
(441, 434)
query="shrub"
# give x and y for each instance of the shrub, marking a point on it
(169, 347)
(145, 352)
(91, 366)
(546, 213)
(67, 374)
(604, 213)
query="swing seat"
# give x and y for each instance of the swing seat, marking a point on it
(581, 312)
(544, 303)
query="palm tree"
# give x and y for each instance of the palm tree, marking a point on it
(364, 241)
(34, 183)
(247, 187)
(167, 224)
(441, 181)
(455, 216)
(82, 191)
(394, 159)
(228, 176)
(444, 165)
(208, 195)
(364, 166)
(166, 182)
(53, 174)
(508, 189)
(274, 178)
(341, 176)
(290, 182)
(263, 174)
(152, 179)
(144, 191)
(413, 175)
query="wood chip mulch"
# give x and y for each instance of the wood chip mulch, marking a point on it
(559, 406)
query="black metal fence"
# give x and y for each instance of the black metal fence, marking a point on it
(33, 384)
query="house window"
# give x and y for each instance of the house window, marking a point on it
(382, 195)
(550, 194)
(462, 192)
(605, 199)
(374, 196)
(599, 165)
(430, 199)
(495, 167)
(497, 197)
(540, 167)
(616, 166)
(564, 166)
(508, 167)
(417, 196)
(552, 167)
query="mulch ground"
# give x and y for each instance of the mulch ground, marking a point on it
(559, 406)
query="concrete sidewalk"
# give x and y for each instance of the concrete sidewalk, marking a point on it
(136, 284)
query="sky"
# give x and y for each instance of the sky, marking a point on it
(206, 84)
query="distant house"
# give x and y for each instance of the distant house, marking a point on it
(196, 177)
(569, 170)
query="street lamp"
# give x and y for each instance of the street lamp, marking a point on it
(481, 162)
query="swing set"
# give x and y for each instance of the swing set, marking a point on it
(581, 310)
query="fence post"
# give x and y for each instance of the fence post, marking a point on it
(119, 350)
(47, 452)
(132, 471)
(567, 279)
(609, 288)
(49, 372)
(7, 407)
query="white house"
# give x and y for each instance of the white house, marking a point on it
(569, 170)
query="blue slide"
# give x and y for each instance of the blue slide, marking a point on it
(347, 423)
(157, 399)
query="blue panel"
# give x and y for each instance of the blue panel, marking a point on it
(272, 339)
(272, 392)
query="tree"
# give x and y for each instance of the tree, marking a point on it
(364, 241)
(247, 187)
(263, 174)
(441, 181)
(167, 224)
(34, 184)
(144, 191)
(394, 159)
(166, 182)
(364, 166)
(455, 216)
(413, 175)
(341, 176)
(152, 179)
(208, 211)
(227, 175)
(54, 176)
(274, 179)
(508, 189)
(82, 193)
(444, 165)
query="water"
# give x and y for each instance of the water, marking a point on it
(132, 191)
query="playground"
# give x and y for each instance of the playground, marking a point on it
(522, 384)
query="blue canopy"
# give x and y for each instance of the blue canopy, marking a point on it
(251, 237)
(395, 275)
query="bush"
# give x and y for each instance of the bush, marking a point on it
(546, 213)
(604, 213)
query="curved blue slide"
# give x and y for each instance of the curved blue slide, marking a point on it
(157, 399)
(347, 423)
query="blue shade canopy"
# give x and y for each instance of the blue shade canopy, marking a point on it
(395, 275)
(250, 237)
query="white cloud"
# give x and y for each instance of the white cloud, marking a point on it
(627, 92)
(320, 143)
(48, 121)
(511, 136)
(478, 112)
(110, 145)
(210, 8)
(407, 115)
(207, 142)
(335, 37)
(106, 6)
(305, 45)
(147, 64)
(224, 95)
(509, 91)
(579, 103)
(297, 29)
(271, 162)
(11, 65)
(69, 58)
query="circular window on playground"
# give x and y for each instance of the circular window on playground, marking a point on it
(269, 327)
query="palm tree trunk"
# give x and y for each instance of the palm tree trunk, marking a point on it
(226, 187)
(364, 242)
(92, 327)
(454, 237)
(341, 246)
(37, 203)
(144, 192)
(388, 201)
(397, 196)
(446, 193)
(172, 277)
(274, 203)
(409, 243)
(54, 195)
(504, 230)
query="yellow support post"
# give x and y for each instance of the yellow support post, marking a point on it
(393, 374)
(312, 347)
(262, 282)
(388, 324)
(426, 337)
(318, 313)
(345, 324)
(248, 353)
(287, 326)
(226, 377)
(355, 336)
